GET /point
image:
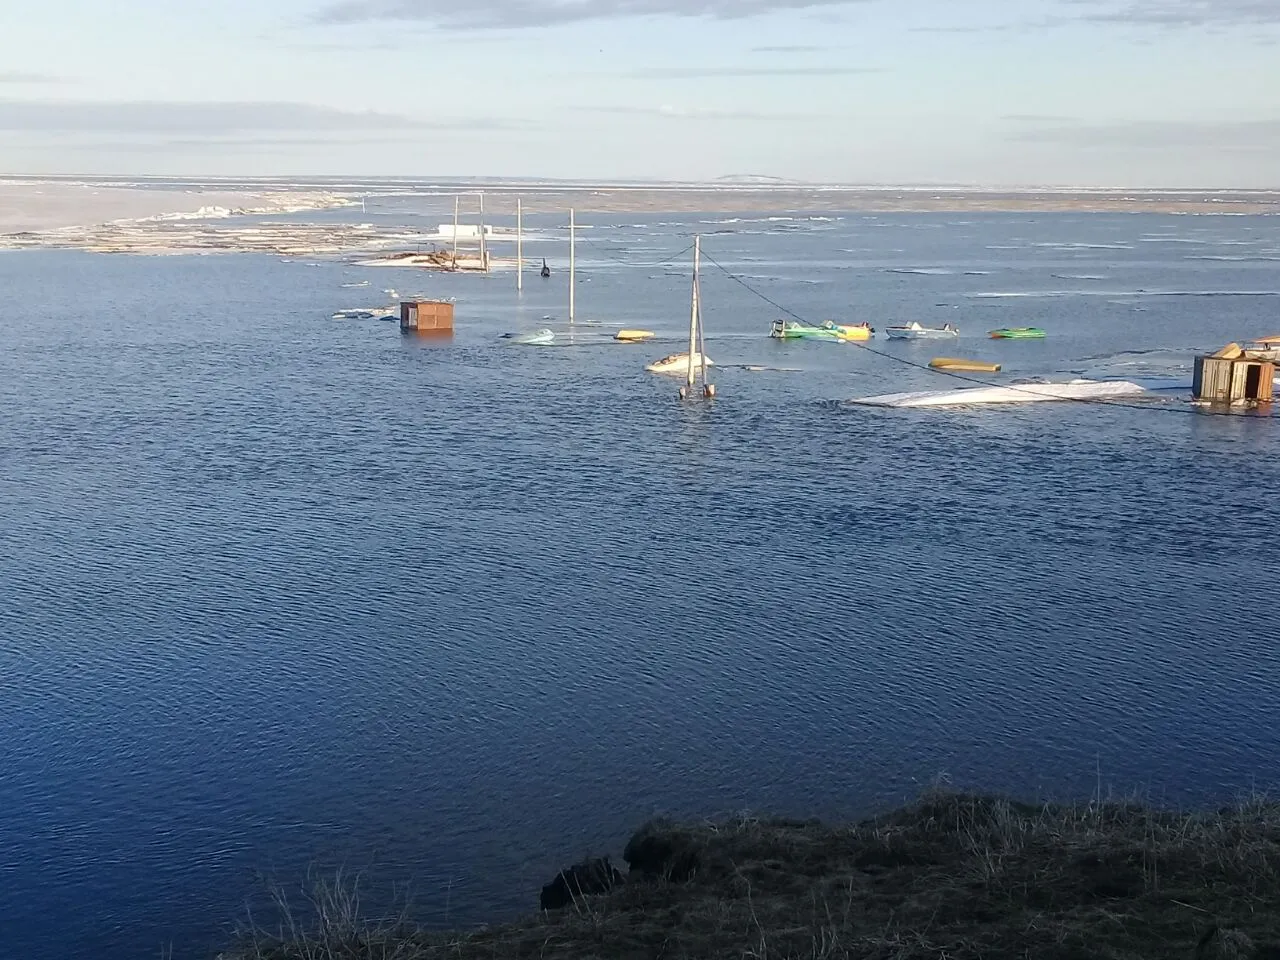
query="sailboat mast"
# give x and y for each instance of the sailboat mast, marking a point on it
(693, 309)
(519, 244)
(484, 251)
(572, 263)
(697, 289)
(455, 232)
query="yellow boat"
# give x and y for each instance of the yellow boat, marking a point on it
(850, 331)
(970, 366)
(633, 336)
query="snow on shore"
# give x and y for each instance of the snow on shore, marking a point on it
(38, 206)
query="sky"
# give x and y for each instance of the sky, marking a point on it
(993, 93)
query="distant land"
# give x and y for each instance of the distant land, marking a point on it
(186, 215)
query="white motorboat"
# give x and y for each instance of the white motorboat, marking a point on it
(916, 331)
(1014, 393)
(679, 363)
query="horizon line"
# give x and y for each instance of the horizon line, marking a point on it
(743, 181)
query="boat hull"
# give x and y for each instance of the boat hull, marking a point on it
(830, 332)
(923, 333)
(852, 332)
(969, 366)
(1015, 393)
(536, 338)
(1017, 333)
(678, 363)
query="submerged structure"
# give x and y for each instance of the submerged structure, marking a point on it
(426, 317)
(1235, 376)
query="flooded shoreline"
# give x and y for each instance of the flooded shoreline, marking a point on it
(217, 215)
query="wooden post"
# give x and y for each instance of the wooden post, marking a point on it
(572, 264)
(455, 233)
(693, 314)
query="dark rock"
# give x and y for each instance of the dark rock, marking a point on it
(588, 878)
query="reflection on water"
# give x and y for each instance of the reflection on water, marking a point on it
(281, 590)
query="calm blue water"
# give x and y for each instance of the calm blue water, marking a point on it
(279, 592)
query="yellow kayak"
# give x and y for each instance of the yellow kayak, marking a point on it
(970, 366)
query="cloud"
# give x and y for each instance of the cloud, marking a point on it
(989, 27)
(371, 46)
(1234, 135)
(792, 48)
(701, 73)
(20, 76)
(1037, 118)
(1183, 13)
(205, 119)
(676, 112)
(497, 14)
(1137, 13)
(150, 145)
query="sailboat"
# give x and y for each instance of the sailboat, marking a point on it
(695, 361)
(545, 271)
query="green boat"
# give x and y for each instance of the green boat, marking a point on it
(1018, 333)
(830, 330)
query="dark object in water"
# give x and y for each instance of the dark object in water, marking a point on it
(582, 879)
(545, 271)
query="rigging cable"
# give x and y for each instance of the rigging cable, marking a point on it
(952, 374)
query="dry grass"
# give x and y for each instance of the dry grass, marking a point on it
(951, 877)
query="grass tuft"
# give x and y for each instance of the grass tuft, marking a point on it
(955, 876)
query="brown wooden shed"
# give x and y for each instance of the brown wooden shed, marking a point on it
(1233, 379)
(426, 316)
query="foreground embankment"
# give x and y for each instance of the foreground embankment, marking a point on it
(953, 876)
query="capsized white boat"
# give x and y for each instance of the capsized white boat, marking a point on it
(1014, 393)
(678, 363)
(384, 313)
(915, 331)
(535, 338)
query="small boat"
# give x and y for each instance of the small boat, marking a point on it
(679, 363)
(1017, 333)
(970, 366)
(850, 331)
(545, 271)
(535, 338)
(829, 330)
(354, 314)
(1015, 393)
(633, 336)
(915, 331)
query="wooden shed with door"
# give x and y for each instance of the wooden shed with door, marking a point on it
(426, 316)
(1230, 376)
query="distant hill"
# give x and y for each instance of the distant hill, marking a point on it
(758, 179)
